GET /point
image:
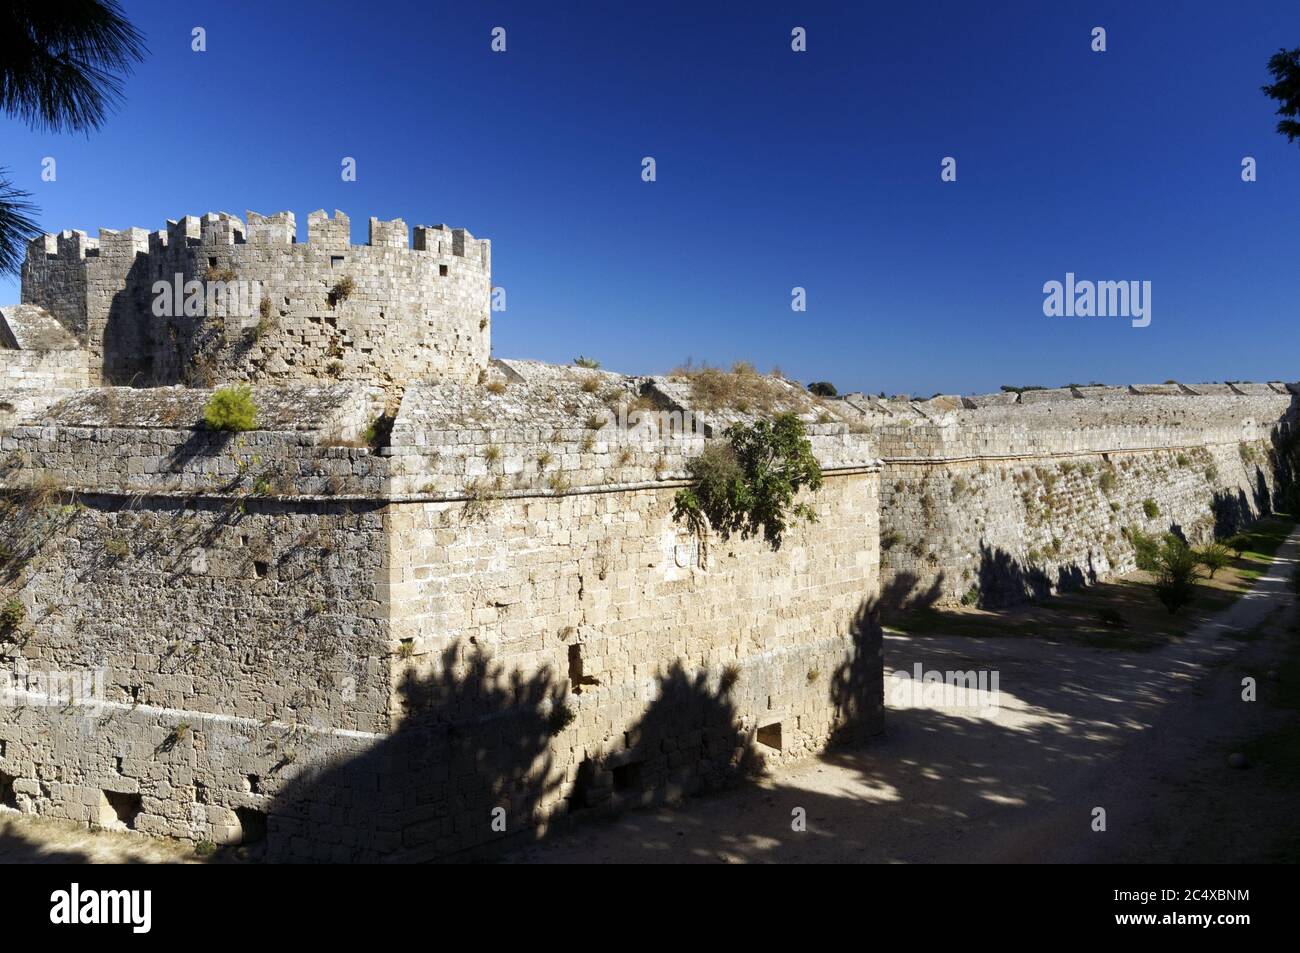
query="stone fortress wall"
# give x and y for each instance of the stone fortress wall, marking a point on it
(1004, 497)
(344, 650)
(340, 648)
(293, 642)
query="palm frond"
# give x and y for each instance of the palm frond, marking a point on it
(61, 63)
(17, 227)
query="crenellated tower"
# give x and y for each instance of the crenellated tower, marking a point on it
(210, 300)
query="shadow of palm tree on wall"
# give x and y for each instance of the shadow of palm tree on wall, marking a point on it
(1004, 580)
(475, 743)
(857, 683)
(904, 592)
(470, 738)
(690, 740)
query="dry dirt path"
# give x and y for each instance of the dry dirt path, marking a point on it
(1143, 735)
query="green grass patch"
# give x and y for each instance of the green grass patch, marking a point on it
(1262, 542)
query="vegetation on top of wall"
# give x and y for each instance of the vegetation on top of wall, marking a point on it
(380, 432)
(587, 362)
(742, 389)
(822, 389)
(750, 481)
(231, 409)
(1151, 508)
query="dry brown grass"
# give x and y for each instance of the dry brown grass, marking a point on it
(742, 389)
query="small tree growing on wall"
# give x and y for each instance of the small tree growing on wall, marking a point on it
(231, 408)
(749, 482)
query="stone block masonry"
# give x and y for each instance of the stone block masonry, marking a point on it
(1013, 500)
(434, 599)
(348, 652)
(327, 310)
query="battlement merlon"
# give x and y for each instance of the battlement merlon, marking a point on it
(444, 241)
(218, 229)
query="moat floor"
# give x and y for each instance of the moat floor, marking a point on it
(1145, 736)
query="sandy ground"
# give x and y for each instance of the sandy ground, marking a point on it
(1143, 736)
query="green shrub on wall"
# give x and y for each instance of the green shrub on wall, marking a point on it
(12, 614)
(750, 481)
(231, 408)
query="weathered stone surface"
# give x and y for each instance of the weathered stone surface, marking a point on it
(364, 645)
(362, 635)
(31, 328)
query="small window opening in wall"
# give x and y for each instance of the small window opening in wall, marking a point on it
(261, 568)
(119, 810)
(212, 263)
(4, 746)
(336, 260)
(582, 785)
(200, 793)
(442, 271)
(627, 777)
(770, 735)
(254, 784)
(252, 825)
(117, 764)
(7, 796)
(577, 676)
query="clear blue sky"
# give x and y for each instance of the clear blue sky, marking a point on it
(775, 169)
